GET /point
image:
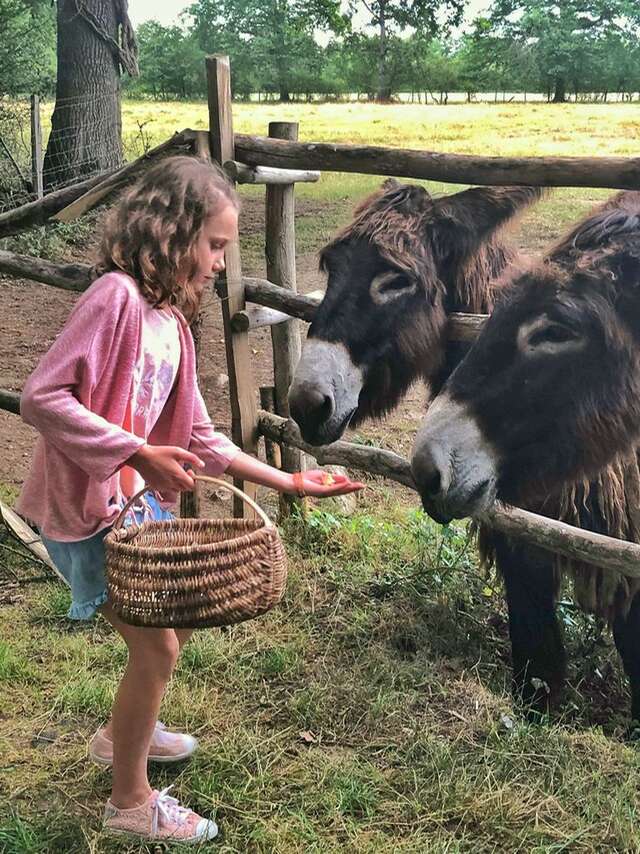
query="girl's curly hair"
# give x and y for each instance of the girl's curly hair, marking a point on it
(152, 233)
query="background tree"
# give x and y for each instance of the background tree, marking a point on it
(27, 47)
(358, 54)
(390, 17)
(273, 31)
(95, 43)
(214, 34)
(171, 63)
(563, 35)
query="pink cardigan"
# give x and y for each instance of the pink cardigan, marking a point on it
(76, 399)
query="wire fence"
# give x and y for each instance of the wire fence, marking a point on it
(16, 186)
(82, 139)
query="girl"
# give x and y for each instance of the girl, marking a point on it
(117, 405)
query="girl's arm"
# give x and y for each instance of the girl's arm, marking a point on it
(315, 483)
(219, 455)
(103, 322)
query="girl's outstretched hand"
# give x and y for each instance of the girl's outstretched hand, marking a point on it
(321, 484)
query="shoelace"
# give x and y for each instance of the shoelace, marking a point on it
(169, 808)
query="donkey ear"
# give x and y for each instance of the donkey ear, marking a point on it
(464, 222)
(407, 199)
(624, 269)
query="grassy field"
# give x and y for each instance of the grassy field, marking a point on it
(371, 713)
(485, 129)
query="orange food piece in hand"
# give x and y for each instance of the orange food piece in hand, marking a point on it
(327, 478)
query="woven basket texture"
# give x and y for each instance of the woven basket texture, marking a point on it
(194, 573)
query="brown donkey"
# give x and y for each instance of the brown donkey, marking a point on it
(394, 274)
(545, 412)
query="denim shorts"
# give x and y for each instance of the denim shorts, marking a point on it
(82, 562)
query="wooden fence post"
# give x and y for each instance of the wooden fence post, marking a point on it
(280, 251)
(244, 420)
(36, 148)
(271, 448)
(190, 501)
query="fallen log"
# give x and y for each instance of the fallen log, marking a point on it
(117, 179)
(38, 212)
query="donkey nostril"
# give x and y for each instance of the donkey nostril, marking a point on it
(321, 405)
(310, 406)
(326, 408)
(428, 472)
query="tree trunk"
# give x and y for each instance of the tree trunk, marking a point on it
(94, 40)
(384, 90)
(559, 94)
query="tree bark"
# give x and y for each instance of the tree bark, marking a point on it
(94, 41)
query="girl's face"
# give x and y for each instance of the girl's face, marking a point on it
(217, 232)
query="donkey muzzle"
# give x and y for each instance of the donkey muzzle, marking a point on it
(453, 466)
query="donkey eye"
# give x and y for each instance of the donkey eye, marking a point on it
(552, 335)
(390, 285)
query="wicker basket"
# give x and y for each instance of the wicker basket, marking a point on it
(193, 573)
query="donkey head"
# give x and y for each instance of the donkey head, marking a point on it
(393, 274)
(550, 391)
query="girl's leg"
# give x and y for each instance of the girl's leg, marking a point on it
(182, 635)
(152, 657)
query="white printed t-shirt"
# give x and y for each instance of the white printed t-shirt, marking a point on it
(153, 377)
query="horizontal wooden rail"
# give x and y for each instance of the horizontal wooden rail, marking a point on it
(549, 534)
(77, 277)
(243, 174)
(266, 293)
(613, 172)
(461, 327)
(10, 401)
(259, 315)
(70, 277)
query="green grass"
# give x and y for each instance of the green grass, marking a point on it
(368, 713)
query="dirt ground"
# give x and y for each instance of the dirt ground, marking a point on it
(32, 314)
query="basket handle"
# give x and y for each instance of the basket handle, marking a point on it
(258, 510)
(243, 495)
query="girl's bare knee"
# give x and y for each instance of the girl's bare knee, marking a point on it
(155, 648)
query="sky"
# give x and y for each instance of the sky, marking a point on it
(167, 11)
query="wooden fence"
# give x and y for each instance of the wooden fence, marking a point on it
(279, 161)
